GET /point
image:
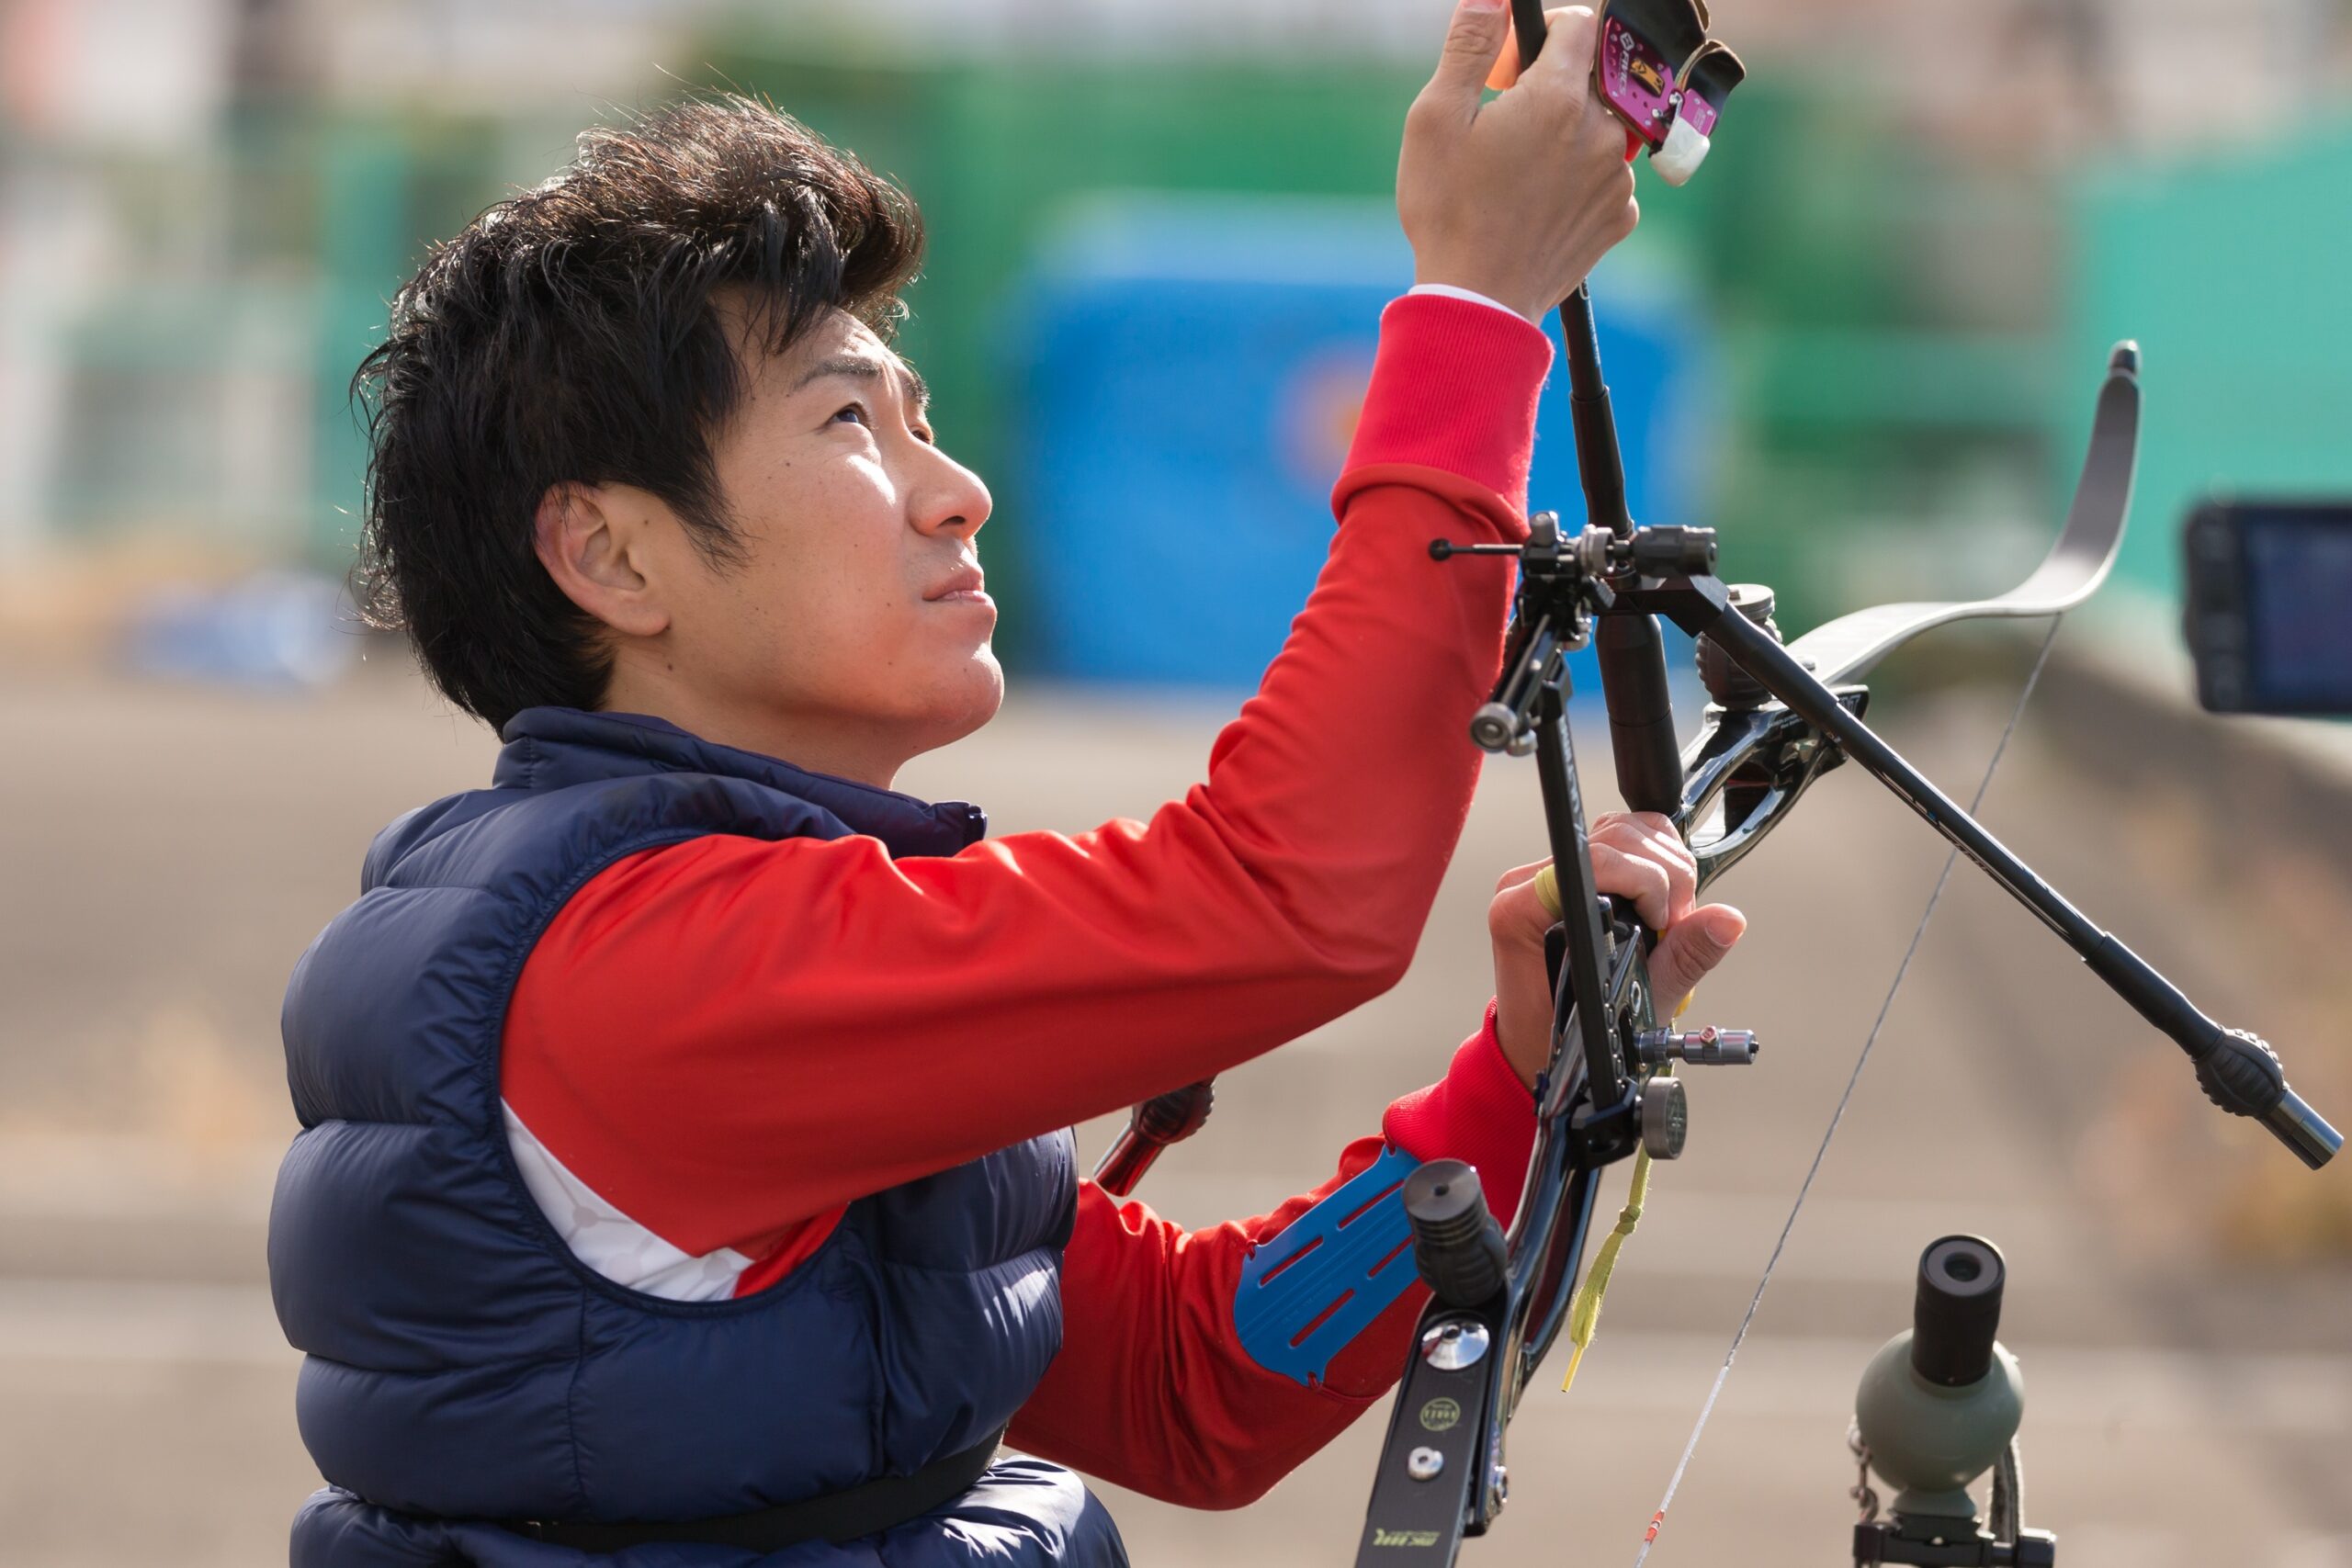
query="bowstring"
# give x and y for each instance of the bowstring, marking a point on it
(1706, 1411)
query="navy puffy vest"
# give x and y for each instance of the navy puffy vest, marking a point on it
(463, 1367)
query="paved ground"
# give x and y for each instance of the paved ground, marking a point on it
(168, 852)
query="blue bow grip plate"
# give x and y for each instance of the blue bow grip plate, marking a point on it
(1309, 1290)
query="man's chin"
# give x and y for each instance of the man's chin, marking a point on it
(979, 694)
(991, 692)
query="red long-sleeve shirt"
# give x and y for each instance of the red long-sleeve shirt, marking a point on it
(718, 1045)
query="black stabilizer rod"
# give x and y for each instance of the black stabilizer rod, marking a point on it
(1630, 651)
(1600, 465)
(1641, 712)
(1162, 1120)
(2237, 1071)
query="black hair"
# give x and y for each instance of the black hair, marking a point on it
(574, 334)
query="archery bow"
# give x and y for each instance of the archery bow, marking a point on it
(1781, 716)
(1777, 725)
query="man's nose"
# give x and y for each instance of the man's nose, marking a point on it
(952, 499)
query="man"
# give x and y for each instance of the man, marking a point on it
(684, 1176)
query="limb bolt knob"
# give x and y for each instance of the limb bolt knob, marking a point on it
(1665, 1118)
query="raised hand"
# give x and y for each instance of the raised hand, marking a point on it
(1516, 198)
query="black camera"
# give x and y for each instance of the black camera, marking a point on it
(2269, 605)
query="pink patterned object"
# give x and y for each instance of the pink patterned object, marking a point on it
(1699, 114)
(1637, 79)
(1665, 78)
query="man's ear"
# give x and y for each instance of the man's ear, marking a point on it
(594, 540)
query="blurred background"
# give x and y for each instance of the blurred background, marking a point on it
(1863, 344)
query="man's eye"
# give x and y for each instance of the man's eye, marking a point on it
(858, 409)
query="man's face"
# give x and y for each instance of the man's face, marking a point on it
(857, 613)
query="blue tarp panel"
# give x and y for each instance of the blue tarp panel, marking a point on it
(1194, 374)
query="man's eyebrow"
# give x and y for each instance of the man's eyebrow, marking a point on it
(857, 368)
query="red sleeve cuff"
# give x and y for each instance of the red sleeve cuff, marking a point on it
(1453, 388)
(1479, 1113)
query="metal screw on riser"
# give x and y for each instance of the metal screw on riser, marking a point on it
(1708, 1047)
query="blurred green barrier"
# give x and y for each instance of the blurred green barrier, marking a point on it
(1885, 316)
(2230, 271)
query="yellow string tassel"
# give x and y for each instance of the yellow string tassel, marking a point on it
(1584, 1313)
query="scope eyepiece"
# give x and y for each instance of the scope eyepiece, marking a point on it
(1956, 1315)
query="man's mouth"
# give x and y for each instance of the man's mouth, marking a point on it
(968, 586)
